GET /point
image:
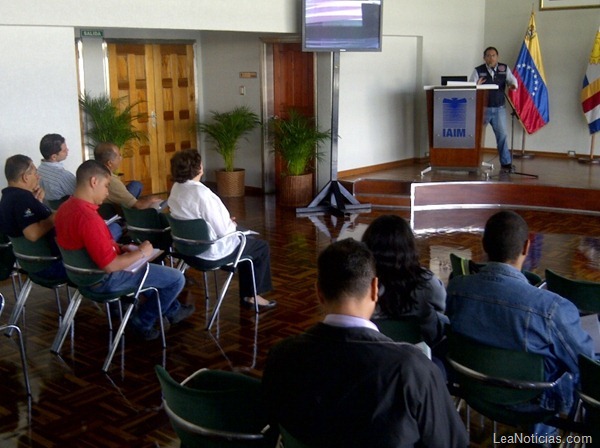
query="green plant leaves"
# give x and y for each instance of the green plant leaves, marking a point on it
(225, 130)
(110, 121)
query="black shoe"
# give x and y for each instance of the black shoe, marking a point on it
(183, 312)
(510, 168)
(250, 305)
(145, 335)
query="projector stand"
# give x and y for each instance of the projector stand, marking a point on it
(334, 198)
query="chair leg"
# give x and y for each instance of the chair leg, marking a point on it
(66, 323)
(58, 305)
(115, 343)
(253, 283)
(19, 305)
(220, 300)
(205, 276)
(23, 355)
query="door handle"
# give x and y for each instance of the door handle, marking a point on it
(153, 119)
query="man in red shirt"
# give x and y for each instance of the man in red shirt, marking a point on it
(78, 225)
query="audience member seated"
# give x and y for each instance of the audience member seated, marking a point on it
(406, 289)
(79, 226)
(343, 384)
(56, 181)
(119, 194)
(22, 212)
(191, 199)
(498, 306)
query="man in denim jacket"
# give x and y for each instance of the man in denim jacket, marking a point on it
(498, 307)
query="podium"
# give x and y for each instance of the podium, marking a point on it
(455, 126)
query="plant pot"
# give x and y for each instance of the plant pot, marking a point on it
(296, 191)
(231, 184)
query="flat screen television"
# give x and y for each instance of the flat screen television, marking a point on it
(341, 25)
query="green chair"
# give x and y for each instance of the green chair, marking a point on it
(84, 273)
(493, 380)
(214, 408)
(400, 330)
(589, 393)
(464, 266)
(55, 203)
(21, 346)
(190, 239)
(585, 295)
(34, 257)
(148, 224)
(8, 266)
(289, 441)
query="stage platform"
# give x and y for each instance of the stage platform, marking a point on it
(442, 197)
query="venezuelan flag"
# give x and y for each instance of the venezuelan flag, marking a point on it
(530, 100)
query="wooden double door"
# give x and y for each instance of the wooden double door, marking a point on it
(161, 79)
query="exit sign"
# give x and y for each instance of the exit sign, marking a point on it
(92, 33)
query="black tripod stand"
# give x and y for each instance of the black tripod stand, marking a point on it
(522, 154)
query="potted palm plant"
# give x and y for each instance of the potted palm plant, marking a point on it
(296, 139)
(110, 120)
(225, 130)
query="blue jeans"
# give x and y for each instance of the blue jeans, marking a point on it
(168, 281)
(496, 116)
(115, 230)
(135, 188)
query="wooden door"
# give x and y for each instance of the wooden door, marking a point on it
(161, 77)
(293, 79)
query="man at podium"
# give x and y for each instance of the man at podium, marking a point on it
(493, 72)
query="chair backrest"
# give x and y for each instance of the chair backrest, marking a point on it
(585, 295)
(108, 210)
(7, 257)
(80, 268)
(55, 203)
(289, 441)
(464, 266)
(215, 408)
(589, 371)
(401, 330)
(190, 237)
(34, 256)
(518, 367)
(148, 224)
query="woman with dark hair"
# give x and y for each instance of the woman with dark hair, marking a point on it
(406, 289)
(191, 199)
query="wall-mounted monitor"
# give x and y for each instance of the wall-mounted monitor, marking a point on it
(341, 25)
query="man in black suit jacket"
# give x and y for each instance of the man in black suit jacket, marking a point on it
(342, 383)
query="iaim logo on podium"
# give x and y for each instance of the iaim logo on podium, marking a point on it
(454, 118)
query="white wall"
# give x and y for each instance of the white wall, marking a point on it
(566, 39)
(222, 57)
(39, 91)
(382, 103)
(377, 104)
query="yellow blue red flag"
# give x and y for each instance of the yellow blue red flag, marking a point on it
(590, 95)
(530, 100)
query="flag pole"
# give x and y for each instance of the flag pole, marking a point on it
(514, 114)
(591, 159)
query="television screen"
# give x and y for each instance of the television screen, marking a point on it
(341, 25)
